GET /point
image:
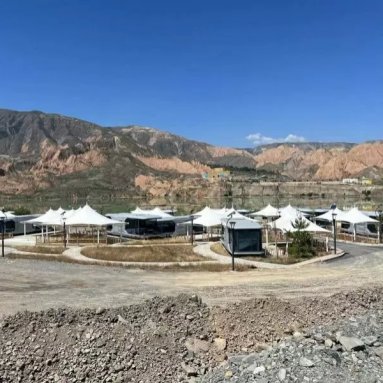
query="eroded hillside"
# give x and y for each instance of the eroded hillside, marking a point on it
(322, 162)
(40, 151)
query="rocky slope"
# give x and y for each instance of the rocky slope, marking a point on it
(40, 151)
(323, 161)
(37, 150)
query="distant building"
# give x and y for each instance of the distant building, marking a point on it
(216, 173)
(366, 181)
(350, 181)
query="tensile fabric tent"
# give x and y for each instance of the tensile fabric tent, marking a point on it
(328, 216)
(287, 222)
(268, 212)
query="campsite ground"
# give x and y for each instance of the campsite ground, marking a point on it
(35, 285)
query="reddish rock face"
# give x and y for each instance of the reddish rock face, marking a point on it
(38, 150)
(332, 163)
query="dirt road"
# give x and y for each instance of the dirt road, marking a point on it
(36, 285)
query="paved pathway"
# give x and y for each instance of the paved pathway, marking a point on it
(35, 285)
(357, 255)
(204, 249)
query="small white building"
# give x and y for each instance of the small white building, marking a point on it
(350, 181)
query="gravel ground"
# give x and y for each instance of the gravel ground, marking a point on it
(177, 339)
(348, 351)
(278, 323)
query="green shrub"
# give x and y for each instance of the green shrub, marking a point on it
(302, 241)
(20, 210)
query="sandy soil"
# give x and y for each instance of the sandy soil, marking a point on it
(36, 285)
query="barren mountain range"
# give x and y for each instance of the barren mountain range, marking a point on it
(40, 151)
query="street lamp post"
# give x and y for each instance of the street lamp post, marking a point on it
(334, 228)
(267, 231)
(379, 215)
(2, 218)
(232, 225)
(192, 230)
(275, 234)
(64, 229)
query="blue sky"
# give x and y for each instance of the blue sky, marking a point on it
(231, 73)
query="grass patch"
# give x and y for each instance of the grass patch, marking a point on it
(159, 241)
(41, 249)
(201, 267)
(277, 260)
(219, 249)
(171, 253)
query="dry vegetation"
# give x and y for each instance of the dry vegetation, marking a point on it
(171, 253)
(160, 241)
(219, 249)
(42, 249)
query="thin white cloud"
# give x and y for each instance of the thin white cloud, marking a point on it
(259, 139)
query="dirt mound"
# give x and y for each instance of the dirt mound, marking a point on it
(246, 325)
(162, 340)
(141, 343)
(346, 351)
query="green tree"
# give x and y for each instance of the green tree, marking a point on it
(302, 241)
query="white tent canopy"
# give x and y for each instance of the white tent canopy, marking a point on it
(50, 214)
(160, 212)
(209, 218)
(236, 215)
(156, 212)
(328, 215)
(71, 212)
(225, 210)
(137, 210)
(89, 217)
(213, 217)
(6, 214)
(52, 217)
(268, 211)
(206, 210)
(286, 223)
(355, 216)
(59, 216)
(290, 211)
(60, 210)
